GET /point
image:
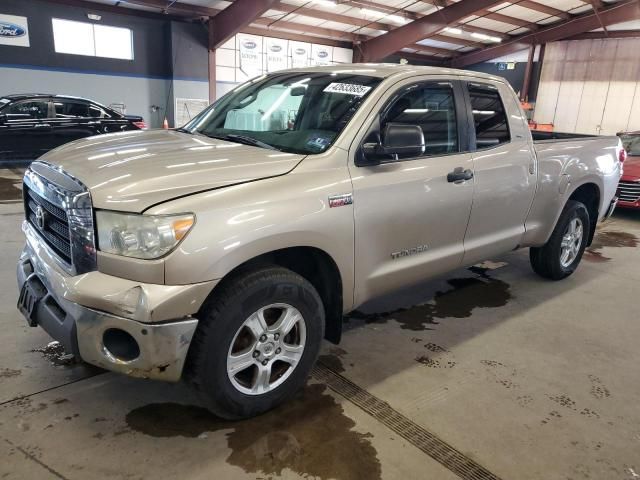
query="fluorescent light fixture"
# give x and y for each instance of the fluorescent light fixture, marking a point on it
(326, 3)
(482, 36)
(456, 31)
(379, 15)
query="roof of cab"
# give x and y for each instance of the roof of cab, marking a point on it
(384, 70)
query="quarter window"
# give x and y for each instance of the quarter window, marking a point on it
(432, 107)
(489, 117)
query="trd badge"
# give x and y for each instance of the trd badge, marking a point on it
(340, 200)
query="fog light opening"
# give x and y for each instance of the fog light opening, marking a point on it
(120, 344)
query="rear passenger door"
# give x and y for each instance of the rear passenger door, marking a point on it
(72, 121)
(505, 173)
(410, 219)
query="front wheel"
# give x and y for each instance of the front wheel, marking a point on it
(560, 256)
(257, 341)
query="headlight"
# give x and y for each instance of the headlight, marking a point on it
(141, 236)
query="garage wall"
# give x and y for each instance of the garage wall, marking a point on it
(170, 61)
(590, 86)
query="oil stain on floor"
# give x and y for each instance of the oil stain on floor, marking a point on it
(285, 438)
(465, 295)
(605, 238)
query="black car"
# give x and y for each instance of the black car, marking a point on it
(32, 124)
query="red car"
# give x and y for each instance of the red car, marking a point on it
(629, 187)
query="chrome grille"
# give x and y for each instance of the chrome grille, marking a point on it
(628, 191)
(55, 230)
(58, 209)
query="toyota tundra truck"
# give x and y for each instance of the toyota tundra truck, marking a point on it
(225, 251)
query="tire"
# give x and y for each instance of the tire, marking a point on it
(231, 325)
(547, 261)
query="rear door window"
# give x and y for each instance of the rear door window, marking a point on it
(489, 116)
(71, 109)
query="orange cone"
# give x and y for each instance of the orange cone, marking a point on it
(165, 124)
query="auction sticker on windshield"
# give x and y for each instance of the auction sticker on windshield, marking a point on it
(347, 88)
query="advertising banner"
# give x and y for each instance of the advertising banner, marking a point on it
(250, 47)
(277, 55)
(321, 55)
(14, 30)
(300, 52)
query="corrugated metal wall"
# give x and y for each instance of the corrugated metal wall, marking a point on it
(590, 86)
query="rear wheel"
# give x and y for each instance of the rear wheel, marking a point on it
(560, 256)
(257, 341)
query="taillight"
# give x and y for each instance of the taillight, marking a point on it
(622, 155)
(141, 125)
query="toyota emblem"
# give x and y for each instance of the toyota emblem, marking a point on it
(40, 217)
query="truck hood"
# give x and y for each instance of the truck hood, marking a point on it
(631, 169)
(132, 171)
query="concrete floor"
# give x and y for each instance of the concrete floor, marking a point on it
(529, 379)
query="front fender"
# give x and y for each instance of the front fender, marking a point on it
(237, 224)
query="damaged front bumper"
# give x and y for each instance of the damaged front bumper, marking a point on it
(141, 330)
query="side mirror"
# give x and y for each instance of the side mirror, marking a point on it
(298, 91)
(3, 118)
(401, 139)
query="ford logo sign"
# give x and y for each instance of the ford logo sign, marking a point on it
(249, 44)
(275, 48)
(11, 30)
(323, 54)
(300, 51)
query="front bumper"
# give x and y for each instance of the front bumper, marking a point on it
(156, 348)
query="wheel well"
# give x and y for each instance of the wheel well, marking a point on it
(317, 267)
(589, 195)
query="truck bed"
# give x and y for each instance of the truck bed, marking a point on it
(541, 135)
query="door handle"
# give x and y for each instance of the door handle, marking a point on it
(459, 175)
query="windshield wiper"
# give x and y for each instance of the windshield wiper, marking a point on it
(245, 140)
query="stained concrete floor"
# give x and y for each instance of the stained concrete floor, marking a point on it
(528, 378)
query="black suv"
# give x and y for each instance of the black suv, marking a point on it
(32, 124)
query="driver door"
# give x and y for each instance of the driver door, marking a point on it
(410, 220)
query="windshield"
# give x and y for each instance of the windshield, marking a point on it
(292, 112)
(3, 102)
(631, 144)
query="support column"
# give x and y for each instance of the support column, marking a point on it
(524, 93)
(212, 63)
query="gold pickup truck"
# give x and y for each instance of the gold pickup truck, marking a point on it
(225, 251)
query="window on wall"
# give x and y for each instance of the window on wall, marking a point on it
(82, 38)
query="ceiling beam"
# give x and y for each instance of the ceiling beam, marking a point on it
(614, 13)
(329, 16)
(499, 17)
(302, 29)
(103, 7)
(539, 7)
(609, 34)
(380, 47)
(176, 8)
(298, 37)
(234, 18)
